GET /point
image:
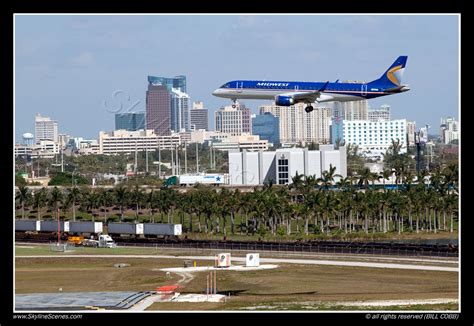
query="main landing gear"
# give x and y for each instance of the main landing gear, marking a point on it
(309, 108)
(234, 103)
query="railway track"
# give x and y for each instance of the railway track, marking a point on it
(336, 247)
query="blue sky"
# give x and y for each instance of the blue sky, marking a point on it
(69, 67)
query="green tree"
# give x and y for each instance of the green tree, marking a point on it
(23, 195)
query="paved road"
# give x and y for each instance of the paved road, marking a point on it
(269, 260)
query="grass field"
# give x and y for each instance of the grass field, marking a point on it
(289, 287)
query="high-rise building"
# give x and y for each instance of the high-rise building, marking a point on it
(352, 110)
(374, 138)
(45, 129)
(179, 110)
(178, 82)
(379, 114)
(199, 117)
(337, 130)
(411, 128)
(158, 109)
(130, 121)
(449, 130)
(234, 121)
(297, 126)
(267, 126)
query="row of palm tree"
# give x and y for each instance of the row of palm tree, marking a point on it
(308, 203)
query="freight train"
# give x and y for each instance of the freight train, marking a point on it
(30, 229)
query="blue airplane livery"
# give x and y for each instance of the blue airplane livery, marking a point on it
(286, 93)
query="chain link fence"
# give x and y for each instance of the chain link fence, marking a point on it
(306, 249)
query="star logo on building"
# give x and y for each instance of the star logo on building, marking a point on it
(218, 178)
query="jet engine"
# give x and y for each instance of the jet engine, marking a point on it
(284, 100)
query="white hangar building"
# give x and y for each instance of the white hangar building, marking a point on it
(256, 168)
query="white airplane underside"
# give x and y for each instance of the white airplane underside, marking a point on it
(305, 97)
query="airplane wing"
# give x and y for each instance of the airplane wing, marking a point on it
(307, 96)
(303, 96)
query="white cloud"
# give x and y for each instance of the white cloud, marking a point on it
(83, 59)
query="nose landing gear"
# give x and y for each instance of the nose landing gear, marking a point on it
(234, 103)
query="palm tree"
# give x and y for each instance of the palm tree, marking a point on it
(39, 200)
(365, 176)
(327, 177)
(56, 197)
(73, 195)
(121, 197)
(385, 175)
(105, 199)
(91, 202)
(23, 195)
(136, 196)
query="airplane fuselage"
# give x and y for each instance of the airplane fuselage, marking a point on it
(251, 89)
(287, 93)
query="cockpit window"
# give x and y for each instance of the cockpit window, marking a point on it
(226, 85)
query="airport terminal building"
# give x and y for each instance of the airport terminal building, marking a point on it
(256, 168)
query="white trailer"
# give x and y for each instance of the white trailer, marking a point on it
(213, 179)
(125, 228)
(27, 225)
(52, 226)
(162, 229)
(85, 227)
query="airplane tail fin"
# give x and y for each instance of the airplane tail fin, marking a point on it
(393, 75)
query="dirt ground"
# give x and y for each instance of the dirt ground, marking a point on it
(290, 285)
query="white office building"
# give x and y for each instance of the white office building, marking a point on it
(244, 141)
(179, 110)
(45, 129)
(199, 117)
(374, 138)
(379, 114)
(256, 168)
(411, 129)
(449, 130)
(351, 110)
(123, 141)
(234, 121)
(44, 149)
(297, 126)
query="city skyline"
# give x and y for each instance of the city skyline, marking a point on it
(81, 69)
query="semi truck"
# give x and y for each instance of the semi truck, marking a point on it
(104, 241)
(189, 180)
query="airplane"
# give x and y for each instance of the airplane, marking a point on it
(286, 93)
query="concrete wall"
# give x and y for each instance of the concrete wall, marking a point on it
(267, 167)
(251, 168)
(235, 168)
(296, 163)
(331, 158)
(314, 163)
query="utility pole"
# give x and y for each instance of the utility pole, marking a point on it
(210, 156)
(197, 158)
(177, 160)
(185, 158)
(146, 155)
(172, 161)
(62, 159)
(159, 159)
(418, 150)
(135, 165)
